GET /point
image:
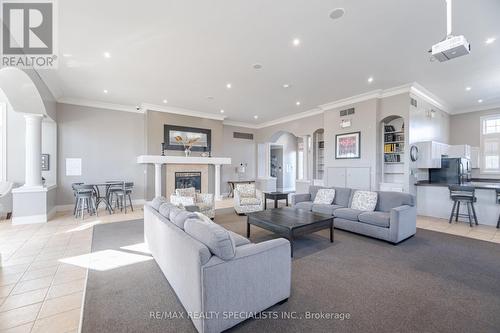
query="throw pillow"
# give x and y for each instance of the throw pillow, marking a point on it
(216, 238)
(186, 192)
(325, 196)
(157, 202)
(364, 200)
(246, 190)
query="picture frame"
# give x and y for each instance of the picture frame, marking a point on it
(171, 131)
(45, 162)
(348, 146)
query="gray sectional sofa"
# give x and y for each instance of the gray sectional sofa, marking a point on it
(215, 271)
(394, 218)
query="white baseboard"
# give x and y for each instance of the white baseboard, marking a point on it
(31, 219)
(65, 208)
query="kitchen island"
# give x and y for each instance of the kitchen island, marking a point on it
(433, 199)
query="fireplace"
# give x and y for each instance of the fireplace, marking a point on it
(188, 179)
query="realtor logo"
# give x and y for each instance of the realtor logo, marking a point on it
(28, 32)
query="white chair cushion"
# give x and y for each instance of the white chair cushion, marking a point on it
(186, 192)
(364, 200)
(325, 196)
(249, 201)
(246, 190)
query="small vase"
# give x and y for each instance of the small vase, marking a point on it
(187, 151)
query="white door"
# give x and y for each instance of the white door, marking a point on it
(336, 177)
(358, 178)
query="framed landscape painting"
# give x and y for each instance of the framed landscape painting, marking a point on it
(202, 136)
(348, 145)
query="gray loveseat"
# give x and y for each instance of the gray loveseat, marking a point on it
(257, 277)
(394, 218)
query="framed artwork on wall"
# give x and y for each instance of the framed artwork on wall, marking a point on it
(202, 138)
(348, 145)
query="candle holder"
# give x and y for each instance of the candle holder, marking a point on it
(163, 149)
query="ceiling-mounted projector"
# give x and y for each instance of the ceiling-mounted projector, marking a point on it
(452, 46)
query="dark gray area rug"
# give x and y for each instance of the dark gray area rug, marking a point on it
(433, 282)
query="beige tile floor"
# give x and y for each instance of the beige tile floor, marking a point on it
(39, 293)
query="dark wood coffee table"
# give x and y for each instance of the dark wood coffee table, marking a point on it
(275, 196)
(290, 222)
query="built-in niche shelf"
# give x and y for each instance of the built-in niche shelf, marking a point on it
(318, 154)
(393, 152)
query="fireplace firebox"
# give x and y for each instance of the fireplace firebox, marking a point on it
(188, 179)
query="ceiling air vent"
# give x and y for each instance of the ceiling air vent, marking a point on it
(413, 102)
(240, 135)
(347, 112)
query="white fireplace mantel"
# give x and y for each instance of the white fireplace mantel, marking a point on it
(158, 161)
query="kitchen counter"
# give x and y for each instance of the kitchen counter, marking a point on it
(434, 200)
(479, 185)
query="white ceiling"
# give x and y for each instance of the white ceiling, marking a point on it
(187, 50)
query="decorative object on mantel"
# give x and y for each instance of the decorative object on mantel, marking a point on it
(348, 145)
(187, 143)
(198, 139)
(205, 153)
(163, 149)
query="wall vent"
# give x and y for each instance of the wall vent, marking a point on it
(245, 136)
(347, 112)
(413, 102)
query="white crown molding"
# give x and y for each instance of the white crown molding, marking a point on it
(99, 105)
(423, 93)
(240, 124)
(181, 111)
(351, 100)
(297, 116)
(413, 88)
(489, 107)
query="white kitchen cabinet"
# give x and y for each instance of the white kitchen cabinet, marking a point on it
(460, 151)
(475, 157)
(357, 178)
(429, 154)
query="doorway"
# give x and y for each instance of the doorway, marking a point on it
(276, 165)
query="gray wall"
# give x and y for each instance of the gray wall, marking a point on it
(108, 142)
(467, 130)
(154, 130)
(364, 120)
(240, 151)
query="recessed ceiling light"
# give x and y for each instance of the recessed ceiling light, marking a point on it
(255, 117)
(105, 91)
(468, 88)
(479, 100)
(165, 101)
(296, 42)
(221, 111)
(107, 55)
(257, 66)
(297, 103)
(286, 85)
(67, 55)
(490, 40)
(229, 85)
(210, 98)
(370, 79)
(337, 13)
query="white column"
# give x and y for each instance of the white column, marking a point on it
(33, 143)
(158, 179)
(217, 182)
